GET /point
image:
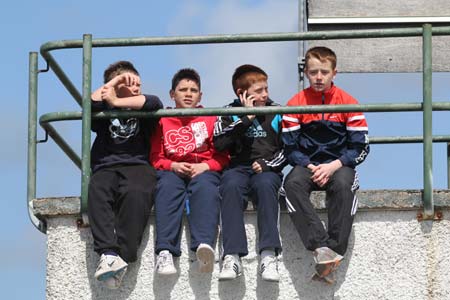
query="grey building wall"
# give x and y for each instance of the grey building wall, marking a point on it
(386, 54)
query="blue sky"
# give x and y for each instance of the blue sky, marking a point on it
(26, 25)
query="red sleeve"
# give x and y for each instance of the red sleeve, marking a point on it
(157, 155)
(218, 161)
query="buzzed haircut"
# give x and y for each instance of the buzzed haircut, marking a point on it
(323, 54)
(186, 73)
(117, 68)
(246, 75)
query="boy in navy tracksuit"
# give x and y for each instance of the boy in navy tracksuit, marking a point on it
(257, 159)
(324, 149)
(122, 184)
(189, 169)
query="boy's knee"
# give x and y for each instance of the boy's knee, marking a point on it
(344, 178)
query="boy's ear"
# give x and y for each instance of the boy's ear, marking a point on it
(172, 94)
(334, 73)
(239, 91)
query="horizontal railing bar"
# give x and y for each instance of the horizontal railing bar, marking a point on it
(244, 38)
(407, 139)
(213, 111)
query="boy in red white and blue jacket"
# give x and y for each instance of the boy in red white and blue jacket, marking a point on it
(324, 149)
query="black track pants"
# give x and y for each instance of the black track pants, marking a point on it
(341, 204)
(119, 205)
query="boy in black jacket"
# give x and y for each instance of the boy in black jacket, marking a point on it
(122, 185)
(257, 158)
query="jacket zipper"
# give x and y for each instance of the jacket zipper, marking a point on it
(323, 102)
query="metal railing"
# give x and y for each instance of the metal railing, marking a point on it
(427, 106)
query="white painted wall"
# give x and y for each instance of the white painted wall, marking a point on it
(391, 256)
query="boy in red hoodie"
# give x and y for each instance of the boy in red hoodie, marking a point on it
(189, 168)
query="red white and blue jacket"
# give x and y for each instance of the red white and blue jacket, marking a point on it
(186, 139)
(323, 137)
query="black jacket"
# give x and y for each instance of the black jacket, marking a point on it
(122, 141)
(248, 141)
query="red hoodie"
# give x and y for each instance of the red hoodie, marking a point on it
(186, 139)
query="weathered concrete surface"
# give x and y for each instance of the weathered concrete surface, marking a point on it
(386, 54)
(391, 256)
(378, 8)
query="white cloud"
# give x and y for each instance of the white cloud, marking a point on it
(216, 63)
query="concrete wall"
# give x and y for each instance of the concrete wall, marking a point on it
(387, 54)
(391, 256)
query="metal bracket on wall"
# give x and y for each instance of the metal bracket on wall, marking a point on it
(83, 222)
(301, 69)
(438, 216)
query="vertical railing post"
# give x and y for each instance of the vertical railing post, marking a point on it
(427, 123)
(448, 165)
(86, 121)
(32, 138)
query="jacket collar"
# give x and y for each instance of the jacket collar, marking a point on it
(327, 94)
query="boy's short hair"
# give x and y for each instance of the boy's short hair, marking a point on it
(186, 73)
(246, 75)
(118, 68)
(321, 53)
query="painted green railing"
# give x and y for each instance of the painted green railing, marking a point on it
(426, 106)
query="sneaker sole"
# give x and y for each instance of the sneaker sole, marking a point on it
(271, 279)
(325, 269)
(114, 282)
(205, 258)
(172, 272)
(109, 274)
(229, 278)
(327, 279)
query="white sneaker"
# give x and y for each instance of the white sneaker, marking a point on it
(205, 258)
(231, 268)
(164, 263)
(269, 268)
(114, 282)
(108, 266)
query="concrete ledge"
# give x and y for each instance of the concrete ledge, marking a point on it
(368, 200)
(390, 256)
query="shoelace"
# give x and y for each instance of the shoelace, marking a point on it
(228, 262)
(164, 260)
(269, 263)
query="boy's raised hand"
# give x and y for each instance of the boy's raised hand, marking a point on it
(127, 79)
(108, 93)
(247, 101)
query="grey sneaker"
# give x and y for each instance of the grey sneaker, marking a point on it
(231, 268)
(326, 260)
(205, 258)
(108, 266)
(114, 282)
(164, 263)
